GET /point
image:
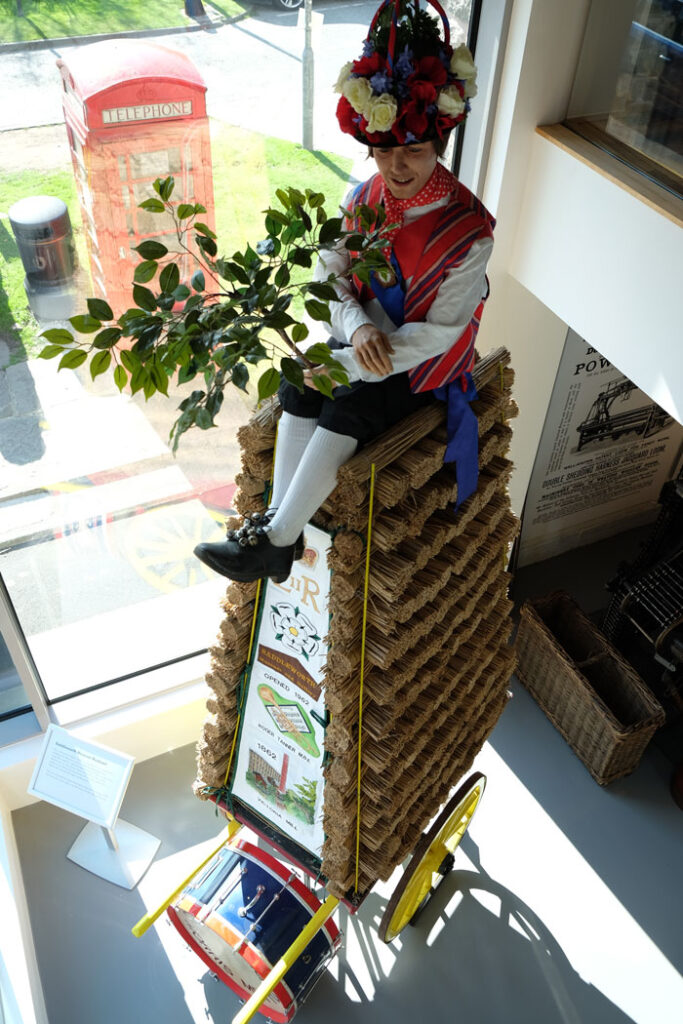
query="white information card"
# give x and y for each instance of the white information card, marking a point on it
(85, 778)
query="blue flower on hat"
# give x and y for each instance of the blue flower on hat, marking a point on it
(380, 82)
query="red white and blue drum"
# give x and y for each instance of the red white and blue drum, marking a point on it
(242, 913)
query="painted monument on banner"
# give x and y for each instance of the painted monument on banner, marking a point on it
(281, 744)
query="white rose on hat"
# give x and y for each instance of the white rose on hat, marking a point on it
(358, 92)
(451, 102)
(462, 64)
(343, 75)
(381, 113)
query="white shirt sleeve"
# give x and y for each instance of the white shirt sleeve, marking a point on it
(461, 291)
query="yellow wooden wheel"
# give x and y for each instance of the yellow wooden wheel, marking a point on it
(432, 857)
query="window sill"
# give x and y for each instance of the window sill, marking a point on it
(653, 195)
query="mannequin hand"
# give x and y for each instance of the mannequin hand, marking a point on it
(372, 347)
(319, 371)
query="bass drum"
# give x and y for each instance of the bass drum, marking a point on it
(242, 913)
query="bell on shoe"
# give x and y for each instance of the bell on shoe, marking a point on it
(247, 554)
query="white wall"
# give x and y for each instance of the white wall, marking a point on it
(543, 44)
(607, 263)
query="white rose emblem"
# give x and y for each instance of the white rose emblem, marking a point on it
(358, 92)
(294, 630)
(381, 113)
(343, 75)
(451, 102)
(462, 64)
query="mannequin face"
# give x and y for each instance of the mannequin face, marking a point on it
(405, 169)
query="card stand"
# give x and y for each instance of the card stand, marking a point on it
(120, 854)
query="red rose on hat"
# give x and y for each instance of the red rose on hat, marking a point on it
(369, 65)
(346, 115)
(432, 69)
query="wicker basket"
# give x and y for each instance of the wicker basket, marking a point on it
(588, 691)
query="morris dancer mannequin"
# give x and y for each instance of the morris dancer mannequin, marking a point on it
(403, 342)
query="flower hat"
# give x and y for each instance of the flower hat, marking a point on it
(409, 85)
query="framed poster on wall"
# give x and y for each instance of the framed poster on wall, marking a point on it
(605, 452)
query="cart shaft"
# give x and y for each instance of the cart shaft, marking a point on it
(279, 970)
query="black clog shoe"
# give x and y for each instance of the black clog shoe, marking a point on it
(247, 554)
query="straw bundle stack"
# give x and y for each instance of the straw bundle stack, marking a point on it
(437, 658)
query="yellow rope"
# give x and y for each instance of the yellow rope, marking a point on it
(362, 662)
(503, 419)
(251, 638)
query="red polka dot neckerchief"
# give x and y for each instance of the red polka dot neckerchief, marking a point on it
(440, 184)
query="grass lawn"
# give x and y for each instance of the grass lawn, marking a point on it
(21, 20)
(247, 170)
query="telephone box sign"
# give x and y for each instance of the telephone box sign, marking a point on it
(148, 112)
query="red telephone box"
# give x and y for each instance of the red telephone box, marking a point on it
(134, 112)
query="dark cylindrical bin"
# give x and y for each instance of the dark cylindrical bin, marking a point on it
(42, 229)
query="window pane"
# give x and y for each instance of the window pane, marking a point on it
(12, 694)
(628, 94)
(98, 519)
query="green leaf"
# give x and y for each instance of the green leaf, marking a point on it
(99, 309)
(268, 383)
(144, 272)
(151, 250)
(301, 257)
(277, 319)
(240, 376)
(100, 364)
(107, 338)
(160, 378)
(184, 211)
(316, 199)
(164, 187)
(59, 336)
(320, 353)
(299, 332)
(296, 197)
(181, 293)
(323, 384)
(320, 215)
(283, 197)
(308, 224)
(326, 292)
(198, 282)
(317, 310)
(85, 324)
(207, 245)
(50, 351)
(282, 276)
(144, 298)
(198, 208)
(292, 372)
(203, 229)
(130, 361)
(169, 278)
(152, 206)
(353, 242)
(120, 378)
(204, 419)
(330, 230)
(73, 359)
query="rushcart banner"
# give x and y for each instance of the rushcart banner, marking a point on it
(605, 452)
(281, 743)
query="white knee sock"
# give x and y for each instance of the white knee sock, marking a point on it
(293, 435)
(313, 481)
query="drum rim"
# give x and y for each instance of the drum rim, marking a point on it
(279, 1016)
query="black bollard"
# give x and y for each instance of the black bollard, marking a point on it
(194, 9)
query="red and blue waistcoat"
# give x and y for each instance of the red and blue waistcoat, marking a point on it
(424, 251)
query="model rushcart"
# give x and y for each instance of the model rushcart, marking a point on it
(349, 701)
